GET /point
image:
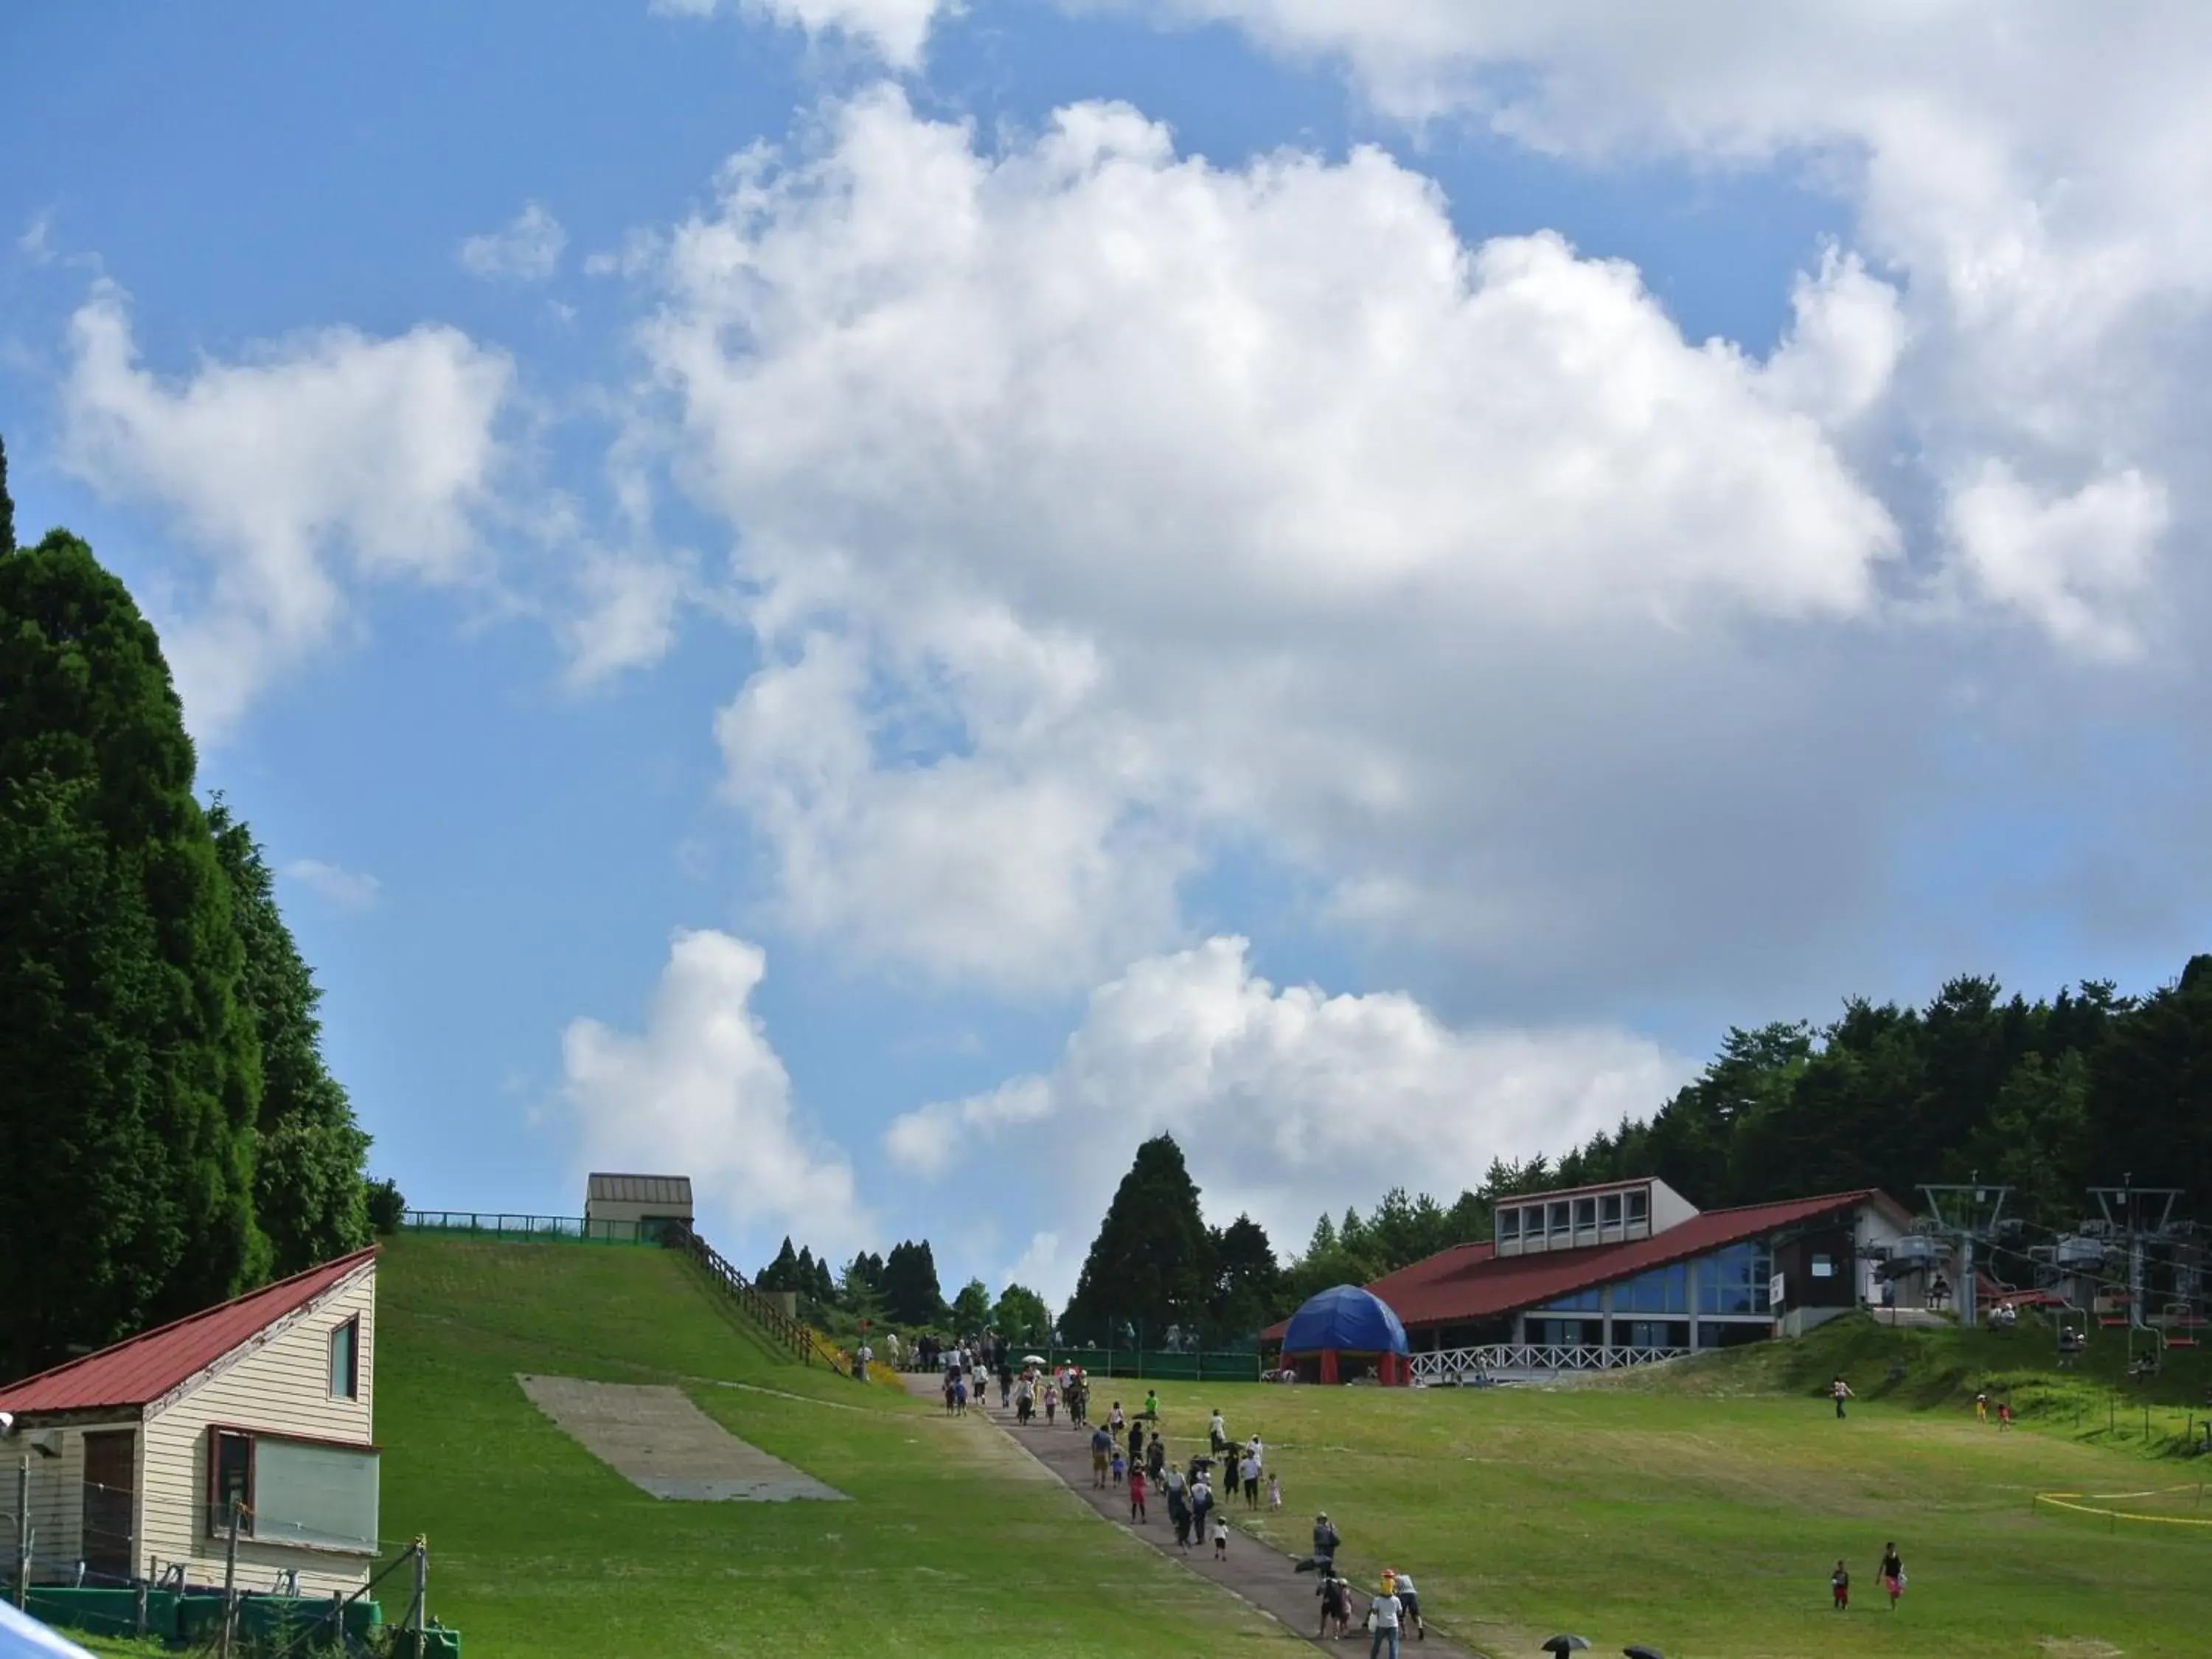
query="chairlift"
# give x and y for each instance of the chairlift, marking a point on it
(2073, 1326)
(2111, 1305)
(2180, 1323)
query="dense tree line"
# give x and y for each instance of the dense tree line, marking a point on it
(2048, 1098)
(168, 1128)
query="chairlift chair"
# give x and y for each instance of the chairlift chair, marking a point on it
(2180, 1324)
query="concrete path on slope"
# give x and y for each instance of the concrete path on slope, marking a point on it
(1258, 1571)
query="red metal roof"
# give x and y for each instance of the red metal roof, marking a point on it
(142, 1368)
(1470, 1282)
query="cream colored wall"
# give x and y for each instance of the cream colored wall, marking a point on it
(608, 1209)
(56, 1499)
(283, 1387)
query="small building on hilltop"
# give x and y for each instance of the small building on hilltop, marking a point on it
(264, 1404)
(636, 1206)
(1624, 1271)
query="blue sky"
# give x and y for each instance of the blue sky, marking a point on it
(882, 674)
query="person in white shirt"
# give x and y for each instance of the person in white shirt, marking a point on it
(1217, 1432)
(1250, 1472)
(1383, 1614)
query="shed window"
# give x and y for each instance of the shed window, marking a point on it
(1560, 1216)
(1585, 1213)
(345, 1361)
(1609, 1210)
(315, 1494)
(230, 1481)
(1824, 1267)
(1509, 1226)
(1640, 1206)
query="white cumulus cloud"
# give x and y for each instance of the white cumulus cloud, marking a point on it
(349, 889)
(896, 30)
(1099, 503)
(701, 1092)
(1287, 1098)
(328, 449)
(525, 249)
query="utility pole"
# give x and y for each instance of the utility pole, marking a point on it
(22, 1529)
(1967, 1213)
(419, 1613)
(229, 1584)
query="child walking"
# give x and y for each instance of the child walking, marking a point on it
(1137, 1494)
(1118, 1468)
(1839, 1586)
(1220, 1538)
(1274, 1492)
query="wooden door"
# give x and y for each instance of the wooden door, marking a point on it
(111, 1479)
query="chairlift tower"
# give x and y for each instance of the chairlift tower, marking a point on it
(2141, 1216)
(1967, 1213)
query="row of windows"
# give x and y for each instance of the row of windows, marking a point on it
(1730, 1281)
(1637, 1334)
(1562, 1218)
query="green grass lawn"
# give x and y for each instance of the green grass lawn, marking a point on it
(1706, 1523)
(954, 1544)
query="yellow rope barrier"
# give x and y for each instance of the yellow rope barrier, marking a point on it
(2066, 1500)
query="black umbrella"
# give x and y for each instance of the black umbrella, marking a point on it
(1566, 1644)
(1639, 1651)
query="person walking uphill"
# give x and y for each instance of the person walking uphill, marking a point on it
(1324, 1541)
(1893, 1574)
(1839, 1391)
(1383, 1614)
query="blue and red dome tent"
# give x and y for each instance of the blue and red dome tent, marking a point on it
(1346, 1323)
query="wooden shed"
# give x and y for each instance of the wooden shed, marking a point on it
(618, 1201)
(267, 1401)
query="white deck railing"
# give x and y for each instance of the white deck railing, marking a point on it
(1459, 1364)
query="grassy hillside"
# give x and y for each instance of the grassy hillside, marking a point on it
(1703, 1513)
(1940, 1368)
(954, 1542)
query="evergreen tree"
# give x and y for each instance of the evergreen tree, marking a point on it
(131, 1084)
(911, 1296)
(783, 1273)
(1247, 1279)
(1152, 1264)
(309, 1193)
(1021, 1316)
(971, 1309)
(7, 507)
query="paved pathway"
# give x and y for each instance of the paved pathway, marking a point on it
(1258, 1571)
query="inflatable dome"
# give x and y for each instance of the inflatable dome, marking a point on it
(1344, 1319)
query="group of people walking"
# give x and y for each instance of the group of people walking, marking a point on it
(1892, 1572)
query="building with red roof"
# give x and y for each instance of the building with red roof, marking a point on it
(264, 1404)
(1624, 1271)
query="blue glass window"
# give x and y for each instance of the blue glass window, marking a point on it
(1580, 1302)
(1661, 1290)
(1735, 1280)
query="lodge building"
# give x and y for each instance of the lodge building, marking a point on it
(1632, 1269)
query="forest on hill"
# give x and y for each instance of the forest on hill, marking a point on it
(2049, 1098)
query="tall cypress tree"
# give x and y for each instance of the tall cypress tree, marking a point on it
(132, 1080)
(308, 1192)
(1152, 1264)
(912, 1295)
